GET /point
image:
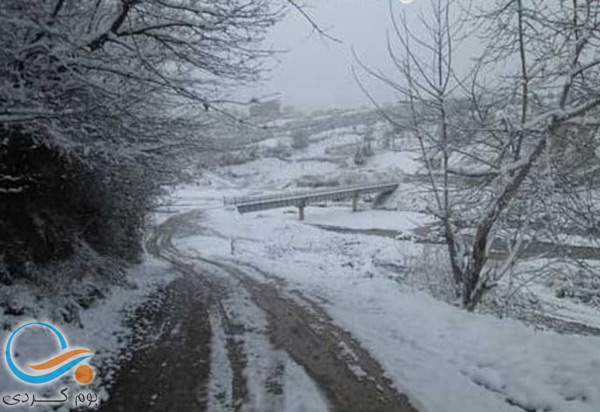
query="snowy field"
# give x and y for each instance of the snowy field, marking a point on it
(445, 358)
(367, 219)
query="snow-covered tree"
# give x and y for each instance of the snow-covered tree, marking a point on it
(131, 67)
(504, 127)
(100, 100)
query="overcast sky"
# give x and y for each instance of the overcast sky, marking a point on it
(316, 72)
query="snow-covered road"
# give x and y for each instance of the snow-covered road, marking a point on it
(442, 357)
(270, 350)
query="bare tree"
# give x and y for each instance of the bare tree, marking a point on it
(502, 127)
(139, 61)
(100, 103)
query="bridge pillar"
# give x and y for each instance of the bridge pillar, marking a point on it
(301, 212)
(355, 202)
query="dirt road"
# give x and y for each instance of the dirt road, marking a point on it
(226, 341)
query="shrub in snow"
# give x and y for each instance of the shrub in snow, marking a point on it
(238, 157)
(63, 201)
(359, 157)
(579, 285)
(100, 107)
(317, 181)
(300, 139)
(280, 151)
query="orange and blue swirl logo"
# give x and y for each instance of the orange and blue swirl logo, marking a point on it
(57, 366)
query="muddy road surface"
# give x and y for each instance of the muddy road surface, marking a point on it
(224, 341)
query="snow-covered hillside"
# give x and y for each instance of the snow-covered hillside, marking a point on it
(377, 285)
(375, 272)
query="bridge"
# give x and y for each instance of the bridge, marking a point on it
(302, 199)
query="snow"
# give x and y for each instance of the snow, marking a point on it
(102, 331)
(404, 161)
(220, 396)
(276, 174)
(368, 219)
(328, 140)
(274, 142)
(564, 309)
(446, 359)
(443, 357)
(452, 360)
(263, 363)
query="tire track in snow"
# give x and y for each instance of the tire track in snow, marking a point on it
(350, 377)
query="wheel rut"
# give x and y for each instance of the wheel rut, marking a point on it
(350, 379)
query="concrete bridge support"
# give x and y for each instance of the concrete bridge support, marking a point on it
(355, 201)
(301, 199)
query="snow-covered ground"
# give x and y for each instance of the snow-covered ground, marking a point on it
(102, 329)
(263, 365)
(367, 219)
(443, 357)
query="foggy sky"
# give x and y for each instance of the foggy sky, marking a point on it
(316, 72)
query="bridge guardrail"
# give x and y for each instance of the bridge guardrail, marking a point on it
(236, 201)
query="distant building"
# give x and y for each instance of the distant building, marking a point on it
(269, 110)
